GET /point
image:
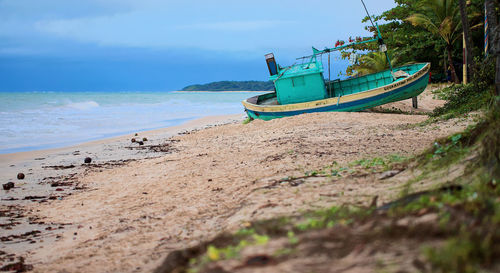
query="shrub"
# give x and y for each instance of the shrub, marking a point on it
(462, 98)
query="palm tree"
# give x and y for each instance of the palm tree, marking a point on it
(442, 18)
(374, 62)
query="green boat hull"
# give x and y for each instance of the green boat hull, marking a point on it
(354, 94)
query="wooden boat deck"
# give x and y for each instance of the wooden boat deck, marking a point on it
(354, 85)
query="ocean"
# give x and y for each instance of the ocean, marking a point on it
(42, 120)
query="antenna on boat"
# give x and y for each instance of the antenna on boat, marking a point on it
(340, 45)
(367, 13)
(383, 47)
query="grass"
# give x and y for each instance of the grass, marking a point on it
(475, 245)
(247, 120)
(463, 99)
(372, 165)
(378, 164)
(244, 237)
(328, 218)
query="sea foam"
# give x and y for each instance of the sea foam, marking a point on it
(40, 120)
(83, 105)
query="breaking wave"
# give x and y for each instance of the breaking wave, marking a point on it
(83, 105)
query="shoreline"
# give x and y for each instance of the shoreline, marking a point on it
(5, 158)
(236, 91)
(71, 118)
(71, 143)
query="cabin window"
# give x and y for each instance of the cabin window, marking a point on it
(298, 81)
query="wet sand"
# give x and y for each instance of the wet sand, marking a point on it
(52, 175)
(128, 211)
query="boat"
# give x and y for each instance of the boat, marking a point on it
(302, 88)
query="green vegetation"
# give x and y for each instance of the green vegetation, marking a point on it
(462, 99)
(231, 252)
(437, 32)
(369, 165)
(243, 238)
(442, 19)
(328, 218)
(247, 120)
(232, 86)
(379, 164)
(473, 243)
(374, 62)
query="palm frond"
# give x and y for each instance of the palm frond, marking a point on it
(424, 21)
(375, 62)
(440, 17)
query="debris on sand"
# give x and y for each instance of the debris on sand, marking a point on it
(59, 167)
(8, 186)
(19, 266)
(161, 148)
(87, 160)
(389, 174)
(20, 176)
(34, 197)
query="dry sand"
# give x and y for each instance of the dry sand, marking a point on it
(127, 216)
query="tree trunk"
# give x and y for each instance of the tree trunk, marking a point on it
(494, 39)
(468, 44)
(445, 66)
(454, 77)
(497, 76)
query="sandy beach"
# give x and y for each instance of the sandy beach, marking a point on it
(52, 175)
(132, 205)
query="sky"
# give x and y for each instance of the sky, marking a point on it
(162, 45)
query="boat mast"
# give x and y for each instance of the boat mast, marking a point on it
(383, 47)
(378, 39)
(329, 66)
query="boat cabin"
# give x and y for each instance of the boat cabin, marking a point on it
(304, 82)
(298, 83)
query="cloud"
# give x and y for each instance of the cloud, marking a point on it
(218, 25)
(236, 25)
(155, 30)
(129, 29)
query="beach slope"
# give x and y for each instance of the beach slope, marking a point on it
(127, 217)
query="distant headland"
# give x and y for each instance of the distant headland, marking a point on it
(232, 86)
